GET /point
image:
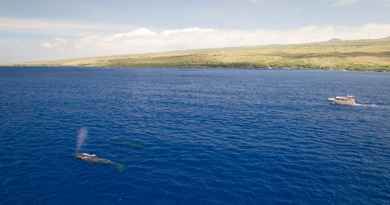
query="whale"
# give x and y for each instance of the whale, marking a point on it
(93, 158)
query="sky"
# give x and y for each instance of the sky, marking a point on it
(58, 29)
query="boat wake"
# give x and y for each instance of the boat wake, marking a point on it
(350, 101)
(367, 105)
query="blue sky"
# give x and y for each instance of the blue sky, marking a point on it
(53, 29)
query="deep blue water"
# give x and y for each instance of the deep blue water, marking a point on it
(194, 136)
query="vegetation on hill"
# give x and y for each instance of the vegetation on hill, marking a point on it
(334, 54)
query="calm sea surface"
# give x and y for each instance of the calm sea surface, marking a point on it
(194, 136)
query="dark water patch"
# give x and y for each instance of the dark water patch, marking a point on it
(122, 141)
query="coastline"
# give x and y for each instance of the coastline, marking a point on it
(352, 55)
(375, 70)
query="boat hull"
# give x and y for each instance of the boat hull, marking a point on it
(343, 101)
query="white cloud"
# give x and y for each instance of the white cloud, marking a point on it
(51, 25)
(186, 31)
(146, 40)
(137, 33)
(11, 23)
(55, 43)
(341, 3)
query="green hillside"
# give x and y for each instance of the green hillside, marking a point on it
(335, 54)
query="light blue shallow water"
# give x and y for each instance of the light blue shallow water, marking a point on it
(194, 136)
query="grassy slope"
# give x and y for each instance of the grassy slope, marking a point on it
(350, 55)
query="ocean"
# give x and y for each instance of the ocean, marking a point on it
(193, 136)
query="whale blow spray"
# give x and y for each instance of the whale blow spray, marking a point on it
(81, 137)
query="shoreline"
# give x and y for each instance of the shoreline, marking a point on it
(379, 70)
(356, 55)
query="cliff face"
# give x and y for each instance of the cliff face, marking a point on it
(333, 54)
